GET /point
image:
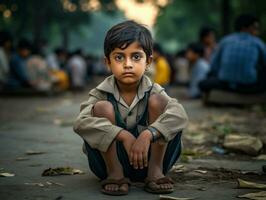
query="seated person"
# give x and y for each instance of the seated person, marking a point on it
(38, 71)
(162, 74)
(130, 126)
(56, 63)
(77, 70)
(199, 68)
(5, 51)
(239, 62)
(208, 40)
(18, 74)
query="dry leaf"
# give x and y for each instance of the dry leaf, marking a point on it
(21, 158)
(200, 171)
(254, 196)
(163, 197)
(6, 174)
(61, 171)
(31, 152)
(54, 183)
(35, 184)
(250, 185)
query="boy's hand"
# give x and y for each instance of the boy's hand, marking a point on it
(127, 139)
(138, 156)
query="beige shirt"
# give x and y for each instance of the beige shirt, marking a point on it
(100, 132)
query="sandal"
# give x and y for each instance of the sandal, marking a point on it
(119, 182)
(153, 186)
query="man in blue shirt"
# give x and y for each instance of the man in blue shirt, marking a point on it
(18, 77)
(240, 60)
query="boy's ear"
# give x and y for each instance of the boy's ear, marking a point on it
(149, 60)
(107, 63)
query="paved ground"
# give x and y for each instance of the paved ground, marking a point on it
(34, 124)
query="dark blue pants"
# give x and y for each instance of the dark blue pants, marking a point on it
(98, 167)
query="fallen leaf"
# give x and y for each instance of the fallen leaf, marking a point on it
(178, 168)
(55, 183)
(21, 158)
(61, 171)
(35, 184)
(163, 197)
(31, 152)
(250, 172)
(200, 171)
(250, 185)
(6, 174)
(254, 196)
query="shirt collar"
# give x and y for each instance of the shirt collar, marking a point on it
(109, 86)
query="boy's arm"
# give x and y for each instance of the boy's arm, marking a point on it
(98, 132)
(173, 119)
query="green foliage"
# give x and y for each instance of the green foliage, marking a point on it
(38, 19)
(180, 21)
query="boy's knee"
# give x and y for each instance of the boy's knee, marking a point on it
(103, 109)
(157, 103)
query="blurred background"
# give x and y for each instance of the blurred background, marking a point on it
(209, 54)
(83, 23)
(61, 34)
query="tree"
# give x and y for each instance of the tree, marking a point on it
(35, 18)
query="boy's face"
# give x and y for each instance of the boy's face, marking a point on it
(128, 65)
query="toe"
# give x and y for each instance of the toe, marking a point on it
(124, 187)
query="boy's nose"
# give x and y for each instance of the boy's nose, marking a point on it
(128, 63)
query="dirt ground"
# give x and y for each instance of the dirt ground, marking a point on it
(36, 134)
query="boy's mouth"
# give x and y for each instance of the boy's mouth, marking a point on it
(128, 74)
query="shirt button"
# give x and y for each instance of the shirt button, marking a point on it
(129, 113)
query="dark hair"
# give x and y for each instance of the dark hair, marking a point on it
(4, 37)
(245, 21)
(24, 44)
(124, 34)
(196, 48)
(205, 31)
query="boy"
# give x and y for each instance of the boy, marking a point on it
(130, 126)
(199, 68)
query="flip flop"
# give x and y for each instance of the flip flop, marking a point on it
(153, 186)
(119, 182)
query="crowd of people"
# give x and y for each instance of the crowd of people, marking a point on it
(26, 67)
(236, 63)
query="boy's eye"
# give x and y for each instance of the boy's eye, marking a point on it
(136, 57)
(119, 58)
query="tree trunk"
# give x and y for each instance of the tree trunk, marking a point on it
(225, 16)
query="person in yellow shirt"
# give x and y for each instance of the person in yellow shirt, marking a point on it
(162, 74)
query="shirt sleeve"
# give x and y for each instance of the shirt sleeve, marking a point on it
(174, 118)
(98, 132)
